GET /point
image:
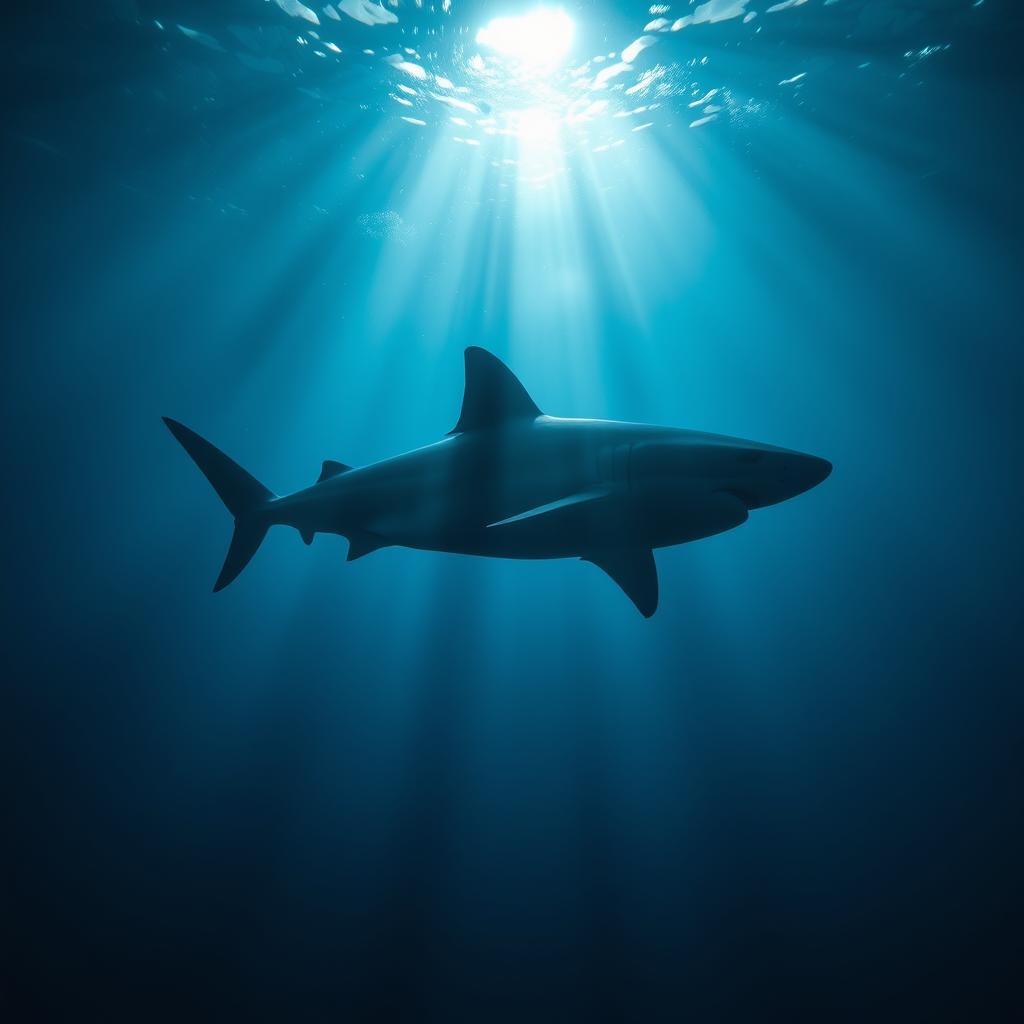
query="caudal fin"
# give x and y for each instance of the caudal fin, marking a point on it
(244, 543)
(245, 497)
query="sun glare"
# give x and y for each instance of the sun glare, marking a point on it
(536, 126)
(539, 38)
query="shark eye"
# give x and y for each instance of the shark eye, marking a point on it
(748, 455)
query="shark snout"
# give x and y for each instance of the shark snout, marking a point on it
(765, 476)
(812, 470)
(798, 473)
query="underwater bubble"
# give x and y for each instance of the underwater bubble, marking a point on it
(385, 225)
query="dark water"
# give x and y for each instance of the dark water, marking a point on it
(425, 787)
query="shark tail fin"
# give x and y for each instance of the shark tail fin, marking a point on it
(245, 497)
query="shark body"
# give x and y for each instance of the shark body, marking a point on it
(511, 482)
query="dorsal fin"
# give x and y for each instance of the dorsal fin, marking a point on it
(493, 394)
(331, 468)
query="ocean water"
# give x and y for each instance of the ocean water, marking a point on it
(425, 787)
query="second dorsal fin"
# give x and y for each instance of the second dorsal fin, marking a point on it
(493, 395)
(331, 468)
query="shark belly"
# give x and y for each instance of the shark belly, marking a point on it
(446, 497)
(538, 494)
(434, 521)
(556, 525)
(601, 521)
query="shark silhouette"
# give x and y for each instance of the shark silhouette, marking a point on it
(510, 482)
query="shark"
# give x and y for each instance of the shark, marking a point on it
(509, 481)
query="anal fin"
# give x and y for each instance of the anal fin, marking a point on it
(635, 572)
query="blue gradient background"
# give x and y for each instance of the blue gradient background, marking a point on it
(425, 787)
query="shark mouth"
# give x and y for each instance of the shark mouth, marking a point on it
(748, 498)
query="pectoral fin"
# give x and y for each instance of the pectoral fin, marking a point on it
(634, 570)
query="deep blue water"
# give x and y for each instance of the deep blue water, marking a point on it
(427, 787)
